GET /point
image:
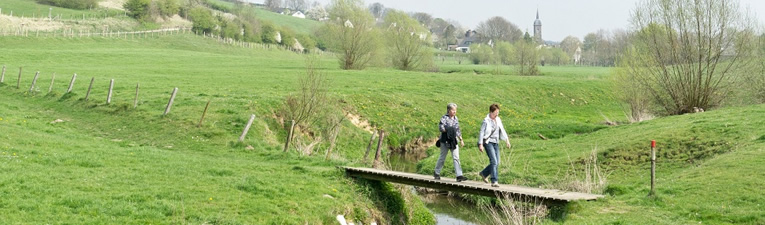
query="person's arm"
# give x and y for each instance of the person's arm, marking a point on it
(481, 133)
(503, 134)
(459, 132)
(442, 124)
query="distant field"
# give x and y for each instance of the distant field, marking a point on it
(298, 25)
(30, 8)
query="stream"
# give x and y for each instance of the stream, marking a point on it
(448, 210)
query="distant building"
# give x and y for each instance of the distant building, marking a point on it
(299, 14)
(538, 30)
(471, 37)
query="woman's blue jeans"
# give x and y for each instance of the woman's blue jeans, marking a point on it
(492, 150)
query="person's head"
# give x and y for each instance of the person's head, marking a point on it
(451, 109)
(493, 111)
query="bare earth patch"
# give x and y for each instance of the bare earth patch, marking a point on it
(112, 4)
(358, 122)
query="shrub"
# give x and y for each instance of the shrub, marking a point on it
(138, 9)
(202, 19)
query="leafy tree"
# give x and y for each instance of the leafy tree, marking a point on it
(688, 53)
(351, 33)
(423, 18)
(505, 52)
(407, 42)
(268, 34)
(527, 57)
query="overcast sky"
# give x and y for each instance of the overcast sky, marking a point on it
(560, 18)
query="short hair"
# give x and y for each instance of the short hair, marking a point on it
(493, 107)
(450, 106)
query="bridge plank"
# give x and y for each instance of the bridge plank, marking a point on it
(470, 187)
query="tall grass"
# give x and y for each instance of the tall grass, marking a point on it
(508, 210)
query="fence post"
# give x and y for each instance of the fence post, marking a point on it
(289, 136)
(53, 78)
(376, 163)
(369, 146)
(2, 77)
(247, 128)
(109, 95)
(89, 87)
(170, 103)
(204, 113)
(653, 167)
(135, 101)
(18, 82)
(71, 83)
(34, 80)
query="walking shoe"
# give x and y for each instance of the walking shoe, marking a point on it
(461, 178)
(436, 176)
(484, 178)
(495, 184)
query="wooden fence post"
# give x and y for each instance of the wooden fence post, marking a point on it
(87, 94)
(53, 78)
(109, 95)
(247, 128)
(170, 103)
(289, 136)
(204, 113)
(369, 146)
(135, 101)
(18, 82)
(2, 77)
(71, 83)
(34, 80)
(376, 163)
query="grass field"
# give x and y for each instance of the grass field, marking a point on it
(114, 164)
(30, 8)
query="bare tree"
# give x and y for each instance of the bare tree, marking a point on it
(569, 45)
(377, 9)
(423, 18)
(273, 4)
(304, 106)
(297, 5)
(499, 29)
(687, 53)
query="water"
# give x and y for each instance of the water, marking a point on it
(448, 210)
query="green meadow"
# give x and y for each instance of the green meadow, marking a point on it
(112, 163)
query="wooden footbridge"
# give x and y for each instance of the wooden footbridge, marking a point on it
(470, 187)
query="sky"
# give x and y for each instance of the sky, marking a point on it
(560, 18)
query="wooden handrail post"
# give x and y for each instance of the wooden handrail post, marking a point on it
(376, 163)
(369, 146)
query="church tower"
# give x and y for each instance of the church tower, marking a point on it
(538, 30)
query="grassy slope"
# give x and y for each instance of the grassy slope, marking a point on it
(27, 8)
(78, 172)
(298, 25)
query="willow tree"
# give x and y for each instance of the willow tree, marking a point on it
(407, 42)
(351, 32)
(687, 53)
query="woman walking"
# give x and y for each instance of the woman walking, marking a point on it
(492, 131)
(450, 134)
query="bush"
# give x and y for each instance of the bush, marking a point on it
(167, 8)
(202, 19)
(138, 9)
(71, 4)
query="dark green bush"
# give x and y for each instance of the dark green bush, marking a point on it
(71, 4)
